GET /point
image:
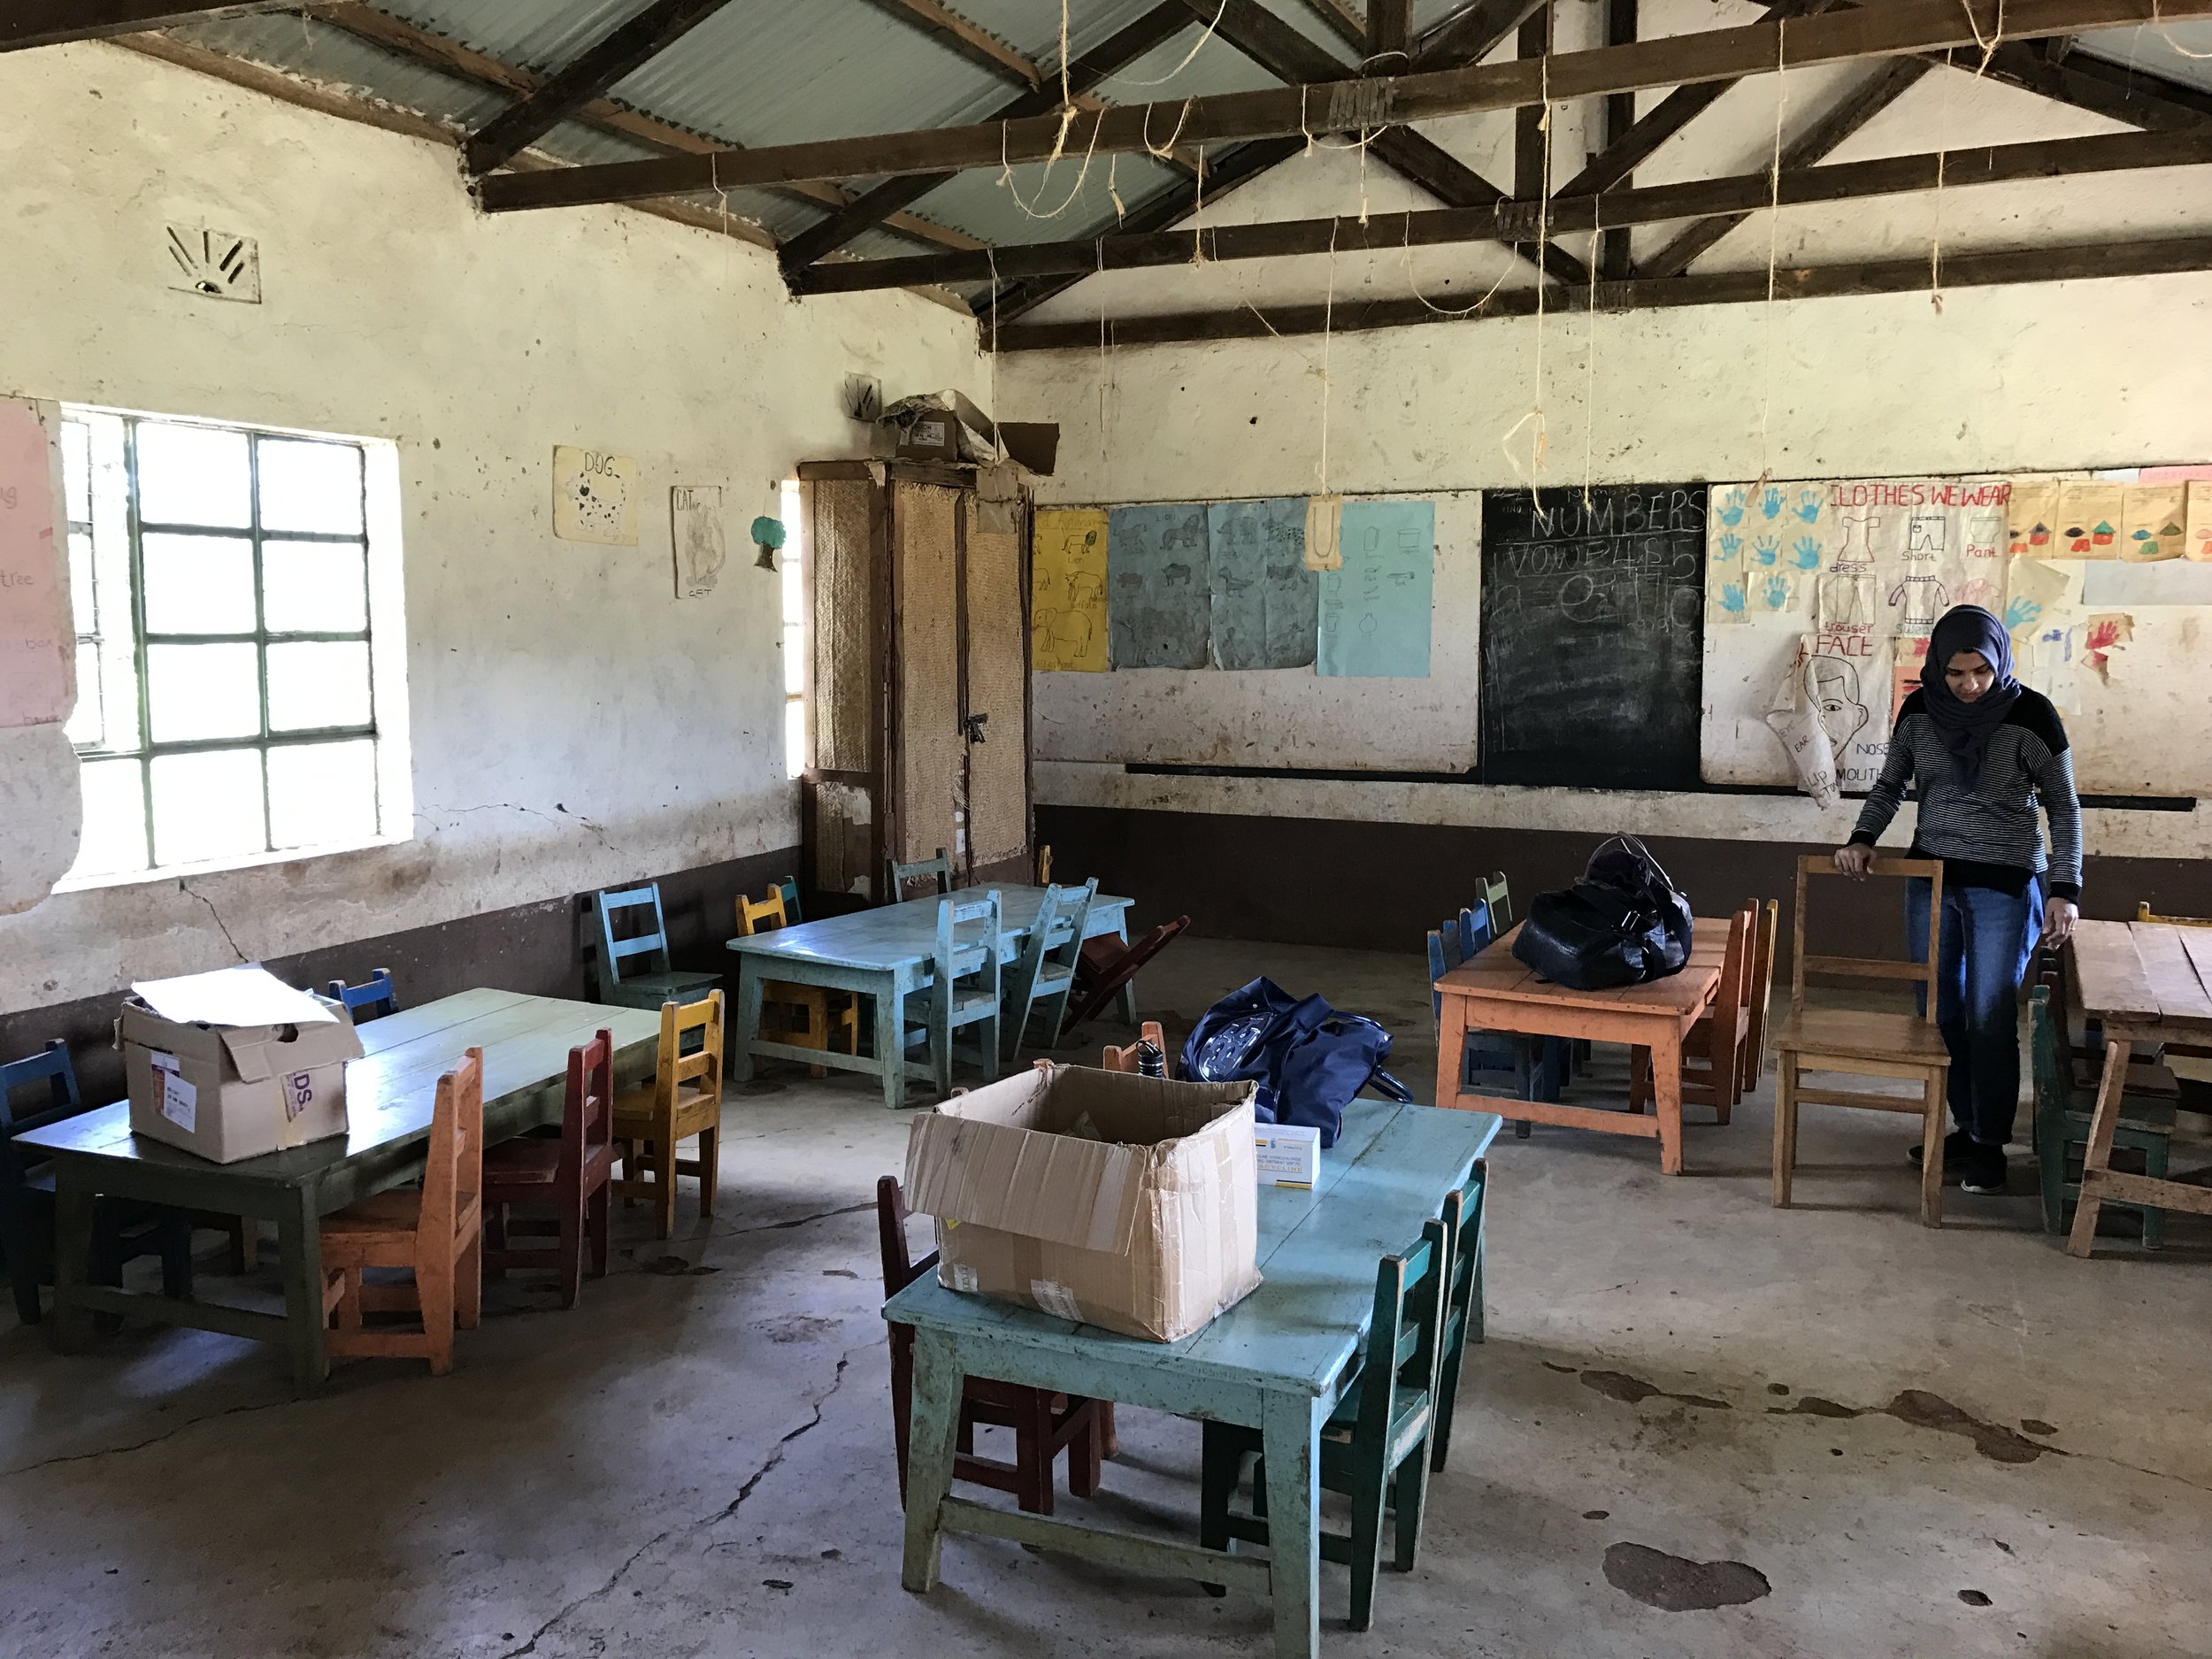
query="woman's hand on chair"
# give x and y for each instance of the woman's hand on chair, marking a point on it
(2059, 917)
(1856, 860)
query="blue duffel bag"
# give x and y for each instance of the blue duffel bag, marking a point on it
(1307, 1059)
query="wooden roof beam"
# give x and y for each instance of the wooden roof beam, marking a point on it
(1508, 222)
(434, 50)
(27, 23)
(620, 52)
(1992, 269)
(874, 207)
(1886, 31)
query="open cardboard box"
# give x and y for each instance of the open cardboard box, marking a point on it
(1125, 1201)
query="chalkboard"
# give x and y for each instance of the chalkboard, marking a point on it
(1592, 636)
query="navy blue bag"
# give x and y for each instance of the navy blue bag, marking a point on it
(1307, 1059)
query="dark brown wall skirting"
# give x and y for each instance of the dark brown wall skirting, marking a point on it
(1381, 886)
(540, 949)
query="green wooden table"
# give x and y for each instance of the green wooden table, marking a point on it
(884, 953)
(389, 1094)
(1277, 1361)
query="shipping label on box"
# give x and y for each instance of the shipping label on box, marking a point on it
(1104, 1198)
(1289, 1155)
(234, 1064)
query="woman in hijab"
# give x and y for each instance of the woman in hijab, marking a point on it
(1983, 750)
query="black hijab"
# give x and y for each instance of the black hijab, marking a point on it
(1965, 728)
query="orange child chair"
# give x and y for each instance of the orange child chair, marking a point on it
(683, 1100)
(806, 1016)
(436, 1230)
(1714, 1063)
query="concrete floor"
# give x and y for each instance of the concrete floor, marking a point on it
(1954, 1443)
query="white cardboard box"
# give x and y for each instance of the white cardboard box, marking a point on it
(1288, 1155)
(236, 1064)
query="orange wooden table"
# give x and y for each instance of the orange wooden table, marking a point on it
(1495, 993)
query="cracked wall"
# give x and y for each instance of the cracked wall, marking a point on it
(573, 724)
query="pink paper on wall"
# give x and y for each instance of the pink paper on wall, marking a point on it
(38, 641)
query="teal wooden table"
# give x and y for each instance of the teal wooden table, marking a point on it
(884, 953)
(389, 1093)
(1275, 1362)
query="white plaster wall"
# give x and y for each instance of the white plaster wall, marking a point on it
(572, 724)
(2097, 373)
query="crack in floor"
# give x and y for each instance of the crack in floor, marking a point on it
(752, 1484)
(151, 1440)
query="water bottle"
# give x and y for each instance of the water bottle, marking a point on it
(1151, 1062)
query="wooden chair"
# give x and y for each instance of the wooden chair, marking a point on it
(1375, 1448)
(683, 1100)
(1044, 1423)
(1754, 1047)
(570, 1176)
(805, 1015)
(122, 1230)
(1713, 1061)
(1124, 1059)
(374, 998)
(2144, 913)
(1463, 1300)
(1044, 971)
(2147, 1127)
(1494, 892)
(436, 1230)
(963, 993)
(789, 888)
(896, 875)
(1107, 965)
(633, 971)
(1865, 1044)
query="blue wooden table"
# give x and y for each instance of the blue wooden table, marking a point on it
(885, 953)
(1277, 1361)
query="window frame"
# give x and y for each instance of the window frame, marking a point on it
(267, 738)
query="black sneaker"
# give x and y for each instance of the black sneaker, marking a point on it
(1984, 1170)
(1956, 1145)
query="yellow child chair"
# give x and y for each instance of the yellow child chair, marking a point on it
(805, 1015)
(683, 1100)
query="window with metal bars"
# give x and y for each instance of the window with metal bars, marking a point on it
(226, 705)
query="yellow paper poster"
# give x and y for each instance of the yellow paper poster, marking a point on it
(1067, 591)
(2197, 522)
(2089, 515)
(2151, 522)
(2030, 530)
(2033, 593)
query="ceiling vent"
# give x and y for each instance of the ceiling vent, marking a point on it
(215, 263)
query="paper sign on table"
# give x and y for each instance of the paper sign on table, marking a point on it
(180, 1100)
(2151, 522)
(1067, 591)
(245, 995)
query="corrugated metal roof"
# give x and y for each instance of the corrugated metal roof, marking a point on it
(769, 72)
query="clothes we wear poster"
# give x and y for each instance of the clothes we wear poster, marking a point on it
(1846, 575)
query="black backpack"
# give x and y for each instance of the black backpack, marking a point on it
(1622, 924)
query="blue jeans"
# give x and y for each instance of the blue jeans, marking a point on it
(1987, 940)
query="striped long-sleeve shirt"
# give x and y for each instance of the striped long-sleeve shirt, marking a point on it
(1986, 836)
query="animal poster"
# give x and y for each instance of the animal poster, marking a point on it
(595, 497)
(1067, 591)
(38, 639)
(2151, 522)
(1375, 611)
(2089, 515)
(695, 515)
(1266, 601)
(1159, 596)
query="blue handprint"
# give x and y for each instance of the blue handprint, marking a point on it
(1809, 506)
(1732, 508)
(1765, 550)
(1730, 545)
(2021, 612)
(1805, 553)
(1732, 597)
(1771, 503)
(1774, 593)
